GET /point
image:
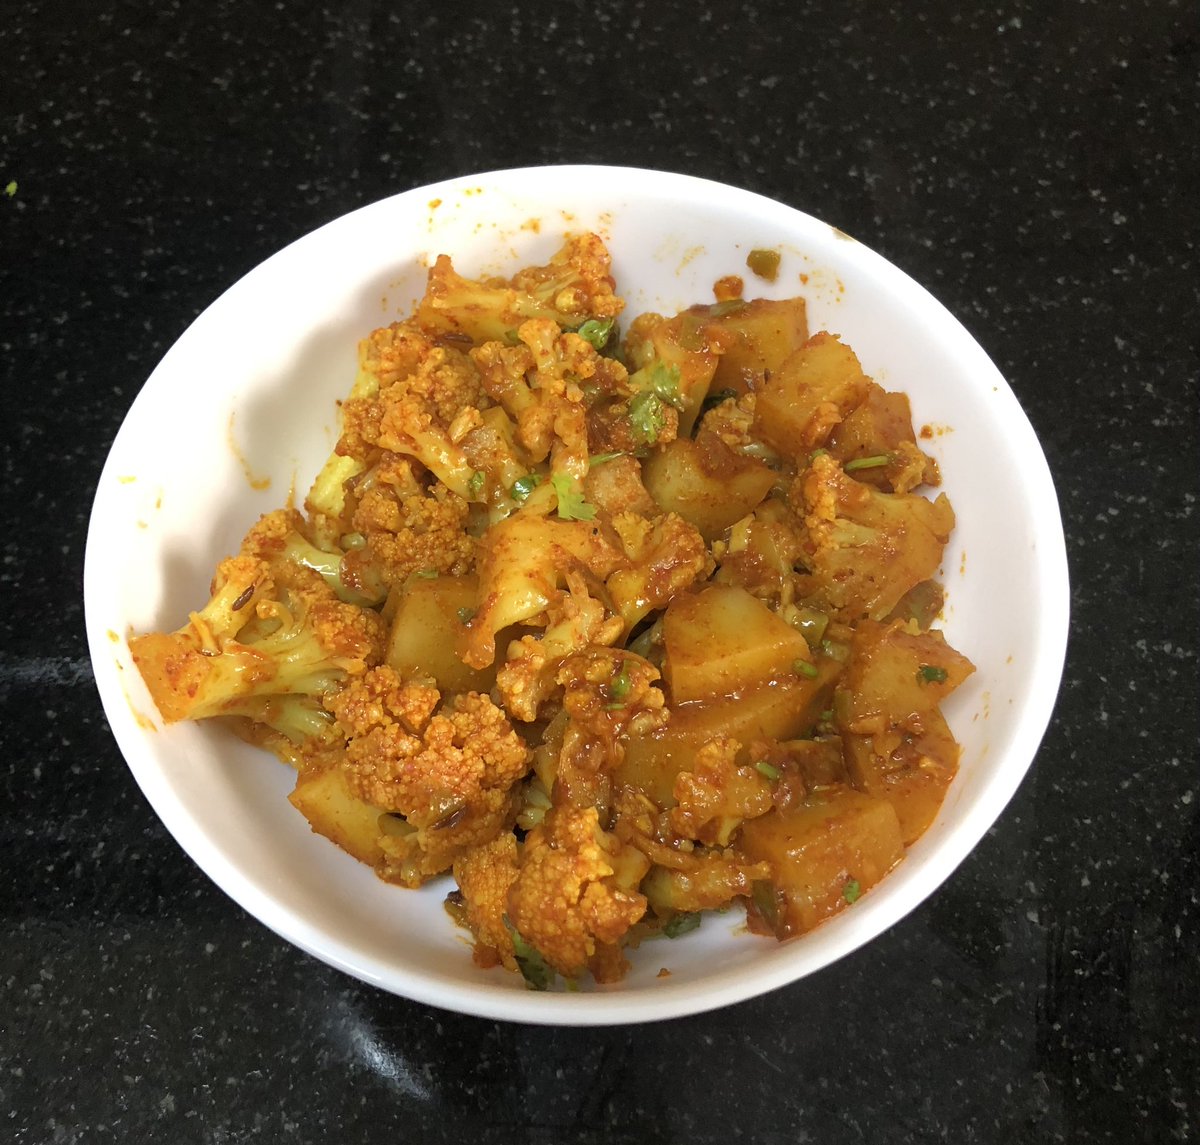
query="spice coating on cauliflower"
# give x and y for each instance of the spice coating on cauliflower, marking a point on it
(406, 528)
(429, 769)
(576, 890)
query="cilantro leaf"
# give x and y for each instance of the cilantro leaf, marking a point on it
(647, 416)
(660, 380)
(596, 332)
(523, 486)
(571, 505)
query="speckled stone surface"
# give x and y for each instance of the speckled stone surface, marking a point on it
(1035, 165)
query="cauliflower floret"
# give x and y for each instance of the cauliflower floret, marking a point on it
(667, 555)
(716, 795)
(269, 536)
(468, 746)
(484, 875)
(415, 855)
(442, 377)
(451, 775)
(732, 420)
(907, 468)
(578, 279)
(522, 562)
(296, 729)
(528, 677)
(272, 627)
(380, 698)
(400, 361)
(706, 880)
(543, 383)
(394, 362)
(685, 877)
(283, 536)
(576, 892)
(608, 692)
(411, 390)
(406, 528)
(615, 486)
(489, 443)
(407, 426)
(575, 286)
(763, 550)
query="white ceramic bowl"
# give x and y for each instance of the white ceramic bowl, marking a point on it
(241, 411)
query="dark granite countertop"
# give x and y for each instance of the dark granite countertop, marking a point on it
(1034, 164)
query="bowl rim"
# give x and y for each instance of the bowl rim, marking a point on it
(608, 1006)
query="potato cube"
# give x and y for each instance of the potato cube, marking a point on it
(333, 810)
(812, 391)
(913, 779)
(651, 763)
(876, 439)
(824, 852)
(780, 711)
(723, 641)
(426, 626)
(898, 746)
(759, 336)
(706, 482)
